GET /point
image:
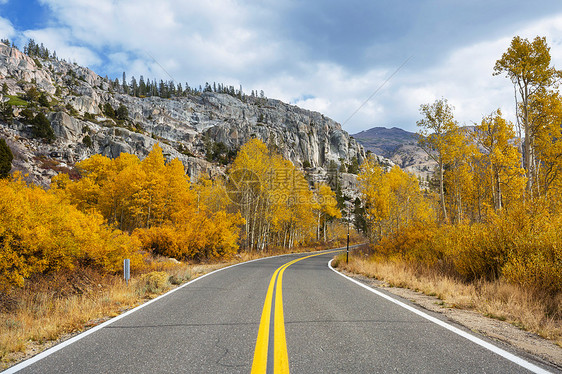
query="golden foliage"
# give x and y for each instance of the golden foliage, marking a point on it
(197, 236)
(393, 200)
(512, 245)
(274, 199)
(130, 193)
(495, 228)
(155, 200)
(41, 232)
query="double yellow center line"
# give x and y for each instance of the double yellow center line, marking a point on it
(270, 354)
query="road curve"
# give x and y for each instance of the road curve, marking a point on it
(330, 325)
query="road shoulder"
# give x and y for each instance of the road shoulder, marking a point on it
(520, 340)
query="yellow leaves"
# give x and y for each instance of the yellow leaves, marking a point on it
(155, 199)
(131, 193)
(272, 196)
(198, 236)
(327, 203)
(526, 63)
(546, 115)
(500, 177)
(393, 199)
(41, 232)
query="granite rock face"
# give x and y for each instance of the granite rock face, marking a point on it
(186, 127)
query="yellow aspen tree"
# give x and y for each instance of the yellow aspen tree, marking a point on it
(436, 126)
(116, 192)
(527, 64)
(326, 209)
(211, 194)
(545, 115)
(248, 180)
(376, 197)
(153, 192)
(458, 154)
(500, 158)
(301, 207)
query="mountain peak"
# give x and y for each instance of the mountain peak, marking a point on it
(398, 145)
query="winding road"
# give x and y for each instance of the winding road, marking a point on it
(275, 315)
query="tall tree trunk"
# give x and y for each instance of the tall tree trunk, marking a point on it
(528, 161)
(442, 189)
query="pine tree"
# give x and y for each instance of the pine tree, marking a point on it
(6, 158)
(42, 128)
(44, 100)
(6, 112)
(142, 86)
(134, 87)
(122, 113)
(108, 110)
(124, 82)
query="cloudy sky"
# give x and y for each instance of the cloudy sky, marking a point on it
(325, 55)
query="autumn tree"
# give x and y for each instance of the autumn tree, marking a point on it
(527, 64)
(153, 200)
(272, 196)
(326, 209)
(499, 159)
(436, 128)
(393, 200)
(376, 197)
(43, 233)
(458, 152)
(545, 116)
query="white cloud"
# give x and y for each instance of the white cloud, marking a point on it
(465, 77)
(60, 40)
(204, 37)
(237, 42)
(6, 28)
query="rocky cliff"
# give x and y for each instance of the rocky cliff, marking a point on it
(199, 129)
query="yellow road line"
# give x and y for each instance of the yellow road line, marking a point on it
(260, 353)
(280, 356)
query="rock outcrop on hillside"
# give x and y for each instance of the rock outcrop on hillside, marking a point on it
(188, 128)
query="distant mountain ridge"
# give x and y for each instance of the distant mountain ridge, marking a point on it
(384, 141)
(398, 145)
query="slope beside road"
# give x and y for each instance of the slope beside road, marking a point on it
(310, 318)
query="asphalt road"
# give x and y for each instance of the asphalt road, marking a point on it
(315, 321)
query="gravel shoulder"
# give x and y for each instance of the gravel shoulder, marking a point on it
(523, 341)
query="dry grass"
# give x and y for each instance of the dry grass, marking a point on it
(69, 303)
(525, 308)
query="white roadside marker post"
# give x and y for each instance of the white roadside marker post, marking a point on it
(127, 270)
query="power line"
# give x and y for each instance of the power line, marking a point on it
(377, 90)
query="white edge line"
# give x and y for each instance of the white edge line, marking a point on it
(511, 357)
(58, 347)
